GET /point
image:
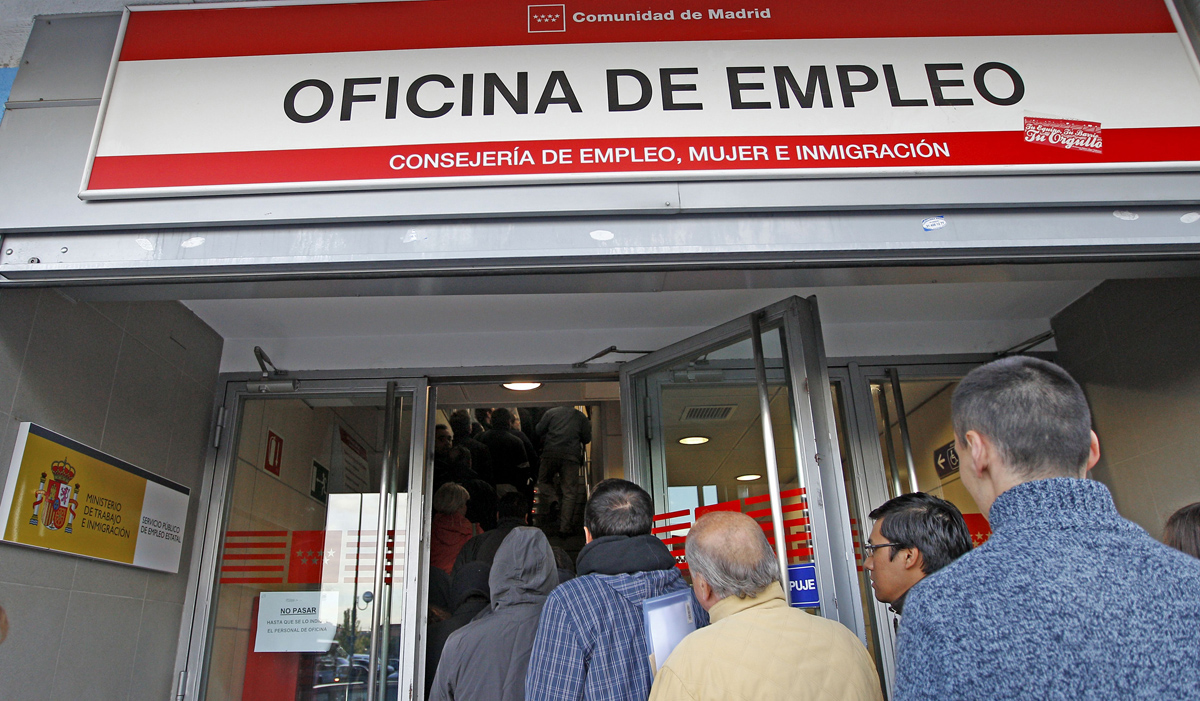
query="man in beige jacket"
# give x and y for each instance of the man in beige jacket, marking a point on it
(757, 646)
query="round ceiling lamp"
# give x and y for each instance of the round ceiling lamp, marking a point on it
(748, 478)
(522, 386)
(694, 440)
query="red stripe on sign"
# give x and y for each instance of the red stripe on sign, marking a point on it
(255, 545)
(251, 580)
(254, 556)
(305, 29)
(251, 568)
(668, 529)
(630, 156)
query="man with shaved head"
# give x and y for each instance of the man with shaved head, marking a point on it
(757, 647)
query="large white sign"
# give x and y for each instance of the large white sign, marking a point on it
(296, 621)
(454, 92)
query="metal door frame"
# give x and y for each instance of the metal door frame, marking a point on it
(819, 462)
(215, 500)
(871, 474)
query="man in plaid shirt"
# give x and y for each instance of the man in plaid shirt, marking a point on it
(591, 641)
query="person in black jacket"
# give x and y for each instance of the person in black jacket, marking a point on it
(512, 512)
(481, 458)
(510, 461)
(488, 659)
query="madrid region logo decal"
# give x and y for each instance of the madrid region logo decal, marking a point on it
(57, 501)
(547, 18)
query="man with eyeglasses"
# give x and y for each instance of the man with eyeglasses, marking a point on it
(914, 536)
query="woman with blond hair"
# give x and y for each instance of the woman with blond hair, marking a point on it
(450, 529)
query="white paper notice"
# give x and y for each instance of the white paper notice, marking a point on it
(296, 621)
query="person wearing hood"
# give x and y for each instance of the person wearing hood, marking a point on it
(591, 642)
(470, 595)
(488, 658)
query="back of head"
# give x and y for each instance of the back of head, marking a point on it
(729, 550)
(618, 507)
(513, 505)
(469, 578)
(460, 423)
(450, 497)
(1032, 410)
(933, 526)
(1183, 530)
(524, 569)
(502, 418)
(484, 417)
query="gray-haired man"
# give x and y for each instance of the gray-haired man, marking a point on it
(757, 647)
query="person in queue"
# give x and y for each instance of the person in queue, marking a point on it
(914, 535)
(450, 529)
(1066, 599)
(511, 512)
(469, 594)
(510, 460)
(481, 458)
(1182, 531)
(591, 642)
(488, 658)
(564, 431)
(735, 575)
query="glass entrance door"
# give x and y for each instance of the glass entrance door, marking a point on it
(901, 440)
(740, 418)
(312, 563)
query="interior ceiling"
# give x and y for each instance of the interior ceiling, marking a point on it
(735, 445)
(340, 317)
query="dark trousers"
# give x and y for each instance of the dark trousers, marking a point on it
(570, 479)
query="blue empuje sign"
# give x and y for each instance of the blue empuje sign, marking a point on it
(802, 586)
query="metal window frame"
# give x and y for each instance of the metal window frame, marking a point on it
(195, 635)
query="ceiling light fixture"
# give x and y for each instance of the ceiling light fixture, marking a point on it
(694, 440)
(748, 478)
(602, 235)
(522, 386)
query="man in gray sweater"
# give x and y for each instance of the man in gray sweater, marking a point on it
(1067, 599)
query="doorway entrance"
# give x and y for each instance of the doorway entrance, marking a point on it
(321, 498)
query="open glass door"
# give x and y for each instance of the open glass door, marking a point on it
(741, 418)
(310, 559)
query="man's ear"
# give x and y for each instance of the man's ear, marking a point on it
(1093, 453)
(980, 450)
(704, 592)
(587, 535)
(913, 558)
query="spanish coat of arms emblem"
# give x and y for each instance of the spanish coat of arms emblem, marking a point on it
(56, 500)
